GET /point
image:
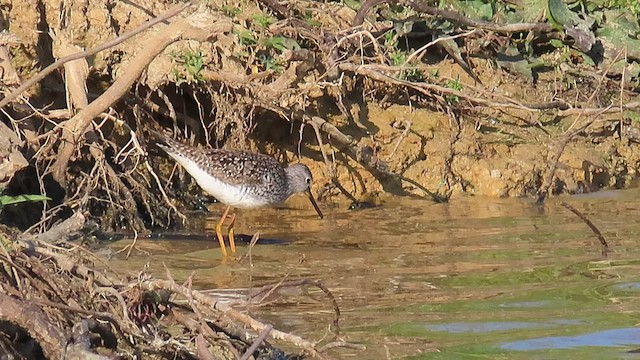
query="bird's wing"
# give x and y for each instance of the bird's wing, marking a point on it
(231, 166)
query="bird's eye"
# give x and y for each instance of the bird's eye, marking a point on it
(309, 181)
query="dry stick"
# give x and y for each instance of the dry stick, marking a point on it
(603, 241)
(405, 133)
(607, 110)
(364, 9)
(252, 243)
(263, 335)
(544, 188)
(373, 72)
(454, 17)
(198, 26)
(61, 231)
(72, 266)
(429, 44)
(202, 349)
(359, 34)
(106, 316)
(316, 122)
(203, 325)
(316, 129)
(546, 185)
(120, 39)
(342, 344)
(448, 173)
(208, 336)
(132, 245)
(328, 128)
(296, 283)
(230, 313)
(136, 146)
(543, 191)
(422, 7)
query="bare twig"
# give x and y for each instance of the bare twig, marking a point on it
(583, 217)
(455, 17)
(328, 128)
(434, 42)
(422, 6)
(232, 314)
(543, 191)
(263, 335)
(407, 128)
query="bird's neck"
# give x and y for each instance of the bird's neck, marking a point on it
(290, 179)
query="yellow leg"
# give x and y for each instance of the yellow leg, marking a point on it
(232, 240)
(223, 247)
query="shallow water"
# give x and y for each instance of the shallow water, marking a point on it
(475, 278)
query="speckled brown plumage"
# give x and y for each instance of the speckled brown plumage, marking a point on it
(234, 167)
(239, 178)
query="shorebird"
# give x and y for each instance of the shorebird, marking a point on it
(239, 179)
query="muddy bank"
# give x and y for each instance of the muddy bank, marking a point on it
(406, 110)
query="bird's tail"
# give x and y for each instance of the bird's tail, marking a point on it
(168, 145)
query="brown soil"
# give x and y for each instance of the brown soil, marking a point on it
(399, 139)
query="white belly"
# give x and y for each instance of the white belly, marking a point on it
(235, 196)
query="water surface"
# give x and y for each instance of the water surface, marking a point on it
(475, 278)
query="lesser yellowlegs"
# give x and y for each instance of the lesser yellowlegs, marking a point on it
(239, 179)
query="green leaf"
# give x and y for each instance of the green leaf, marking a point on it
(352, 4)
(486, 11)
(616, 39)
(633, 115)
(10, 200)
(263, 20)
(476, 9)
(403, 28)
(623, 20)
(231, 11)
(281, 43)
(512, 61)
(246, 37)
(560, 14)
(532, 10)
(558, 44)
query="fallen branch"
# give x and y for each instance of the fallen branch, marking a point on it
(60, 232)
(228, 311)
(583, 217)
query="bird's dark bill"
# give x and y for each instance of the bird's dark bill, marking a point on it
(315, 205)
